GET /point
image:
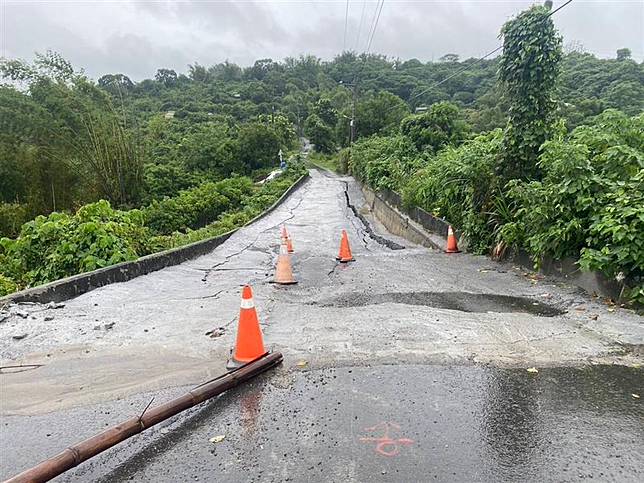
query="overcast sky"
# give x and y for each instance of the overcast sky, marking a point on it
(138, 37)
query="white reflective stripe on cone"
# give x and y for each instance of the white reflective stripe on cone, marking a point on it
(247, 304)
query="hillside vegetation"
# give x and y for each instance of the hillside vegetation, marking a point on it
(545, 183)
(535, 149)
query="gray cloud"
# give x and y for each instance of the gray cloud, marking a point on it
(137, 37)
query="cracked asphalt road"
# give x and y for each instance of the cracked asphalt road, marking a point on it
(433, 327)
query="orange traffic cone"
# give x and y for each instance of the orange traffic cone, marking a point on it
(283, 271)
(451, 241)
(289, 245)
(250, 343)
(345, 250)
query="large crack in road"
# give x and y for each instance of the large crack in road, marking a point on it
(410, 338)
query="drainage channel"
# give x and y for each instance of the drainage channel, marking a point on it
(461, 301)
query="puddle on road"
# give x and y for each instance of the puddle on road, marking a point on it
(463, 301)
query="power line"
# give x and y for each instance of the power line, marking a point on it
(364, 4)
(467, 67)
(373, 23)
(372, 32)
(354, 84)
(346, 19)
(557, 9)
(375, 26)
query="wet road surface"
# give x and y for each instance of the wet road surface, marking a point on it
(427, 337)
(391, 423)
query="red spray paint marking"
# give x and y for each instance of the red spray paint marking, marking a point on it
(385, 445)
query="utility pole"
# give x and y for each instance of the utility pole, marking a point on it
(352, 121)
(352, 124)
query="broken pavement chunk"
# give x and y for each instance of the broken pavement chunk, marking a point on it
(218, 332)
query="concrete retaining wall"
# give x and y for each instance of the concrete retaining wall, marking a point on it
(567, 269)
(418, 226)
(422, 230)
(76, 285)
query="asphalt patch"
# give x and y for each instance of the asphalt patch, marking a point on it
(462, 301)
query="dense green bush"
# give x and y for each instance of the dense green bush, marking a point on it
(59, 245)
(264, 196)
(615, 242)
(7, 285)
(590, 202)
(12, 217)
(166, 180)
(344, 158)
(459, 184)
(384, 162)
(196, 207)
(440, 126)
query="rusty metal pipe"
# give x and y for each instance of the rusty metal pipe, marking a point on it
(75, 455)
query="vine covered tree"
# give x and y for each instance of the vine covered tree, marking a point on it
(528, 71)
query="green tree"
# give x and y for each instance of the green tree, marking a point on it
(528, 70)
(623, 54)
(281, 126)
(320, 134)
(167, 77)
(66, 137)
(324, 110)
(379, 113)
(449, 58)
(166, 180)
(211, 149)
(198, 73)
(259, 145)
(439, 126)
(226, 72)
(116, 84)
(384, 161)
(260, 69)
